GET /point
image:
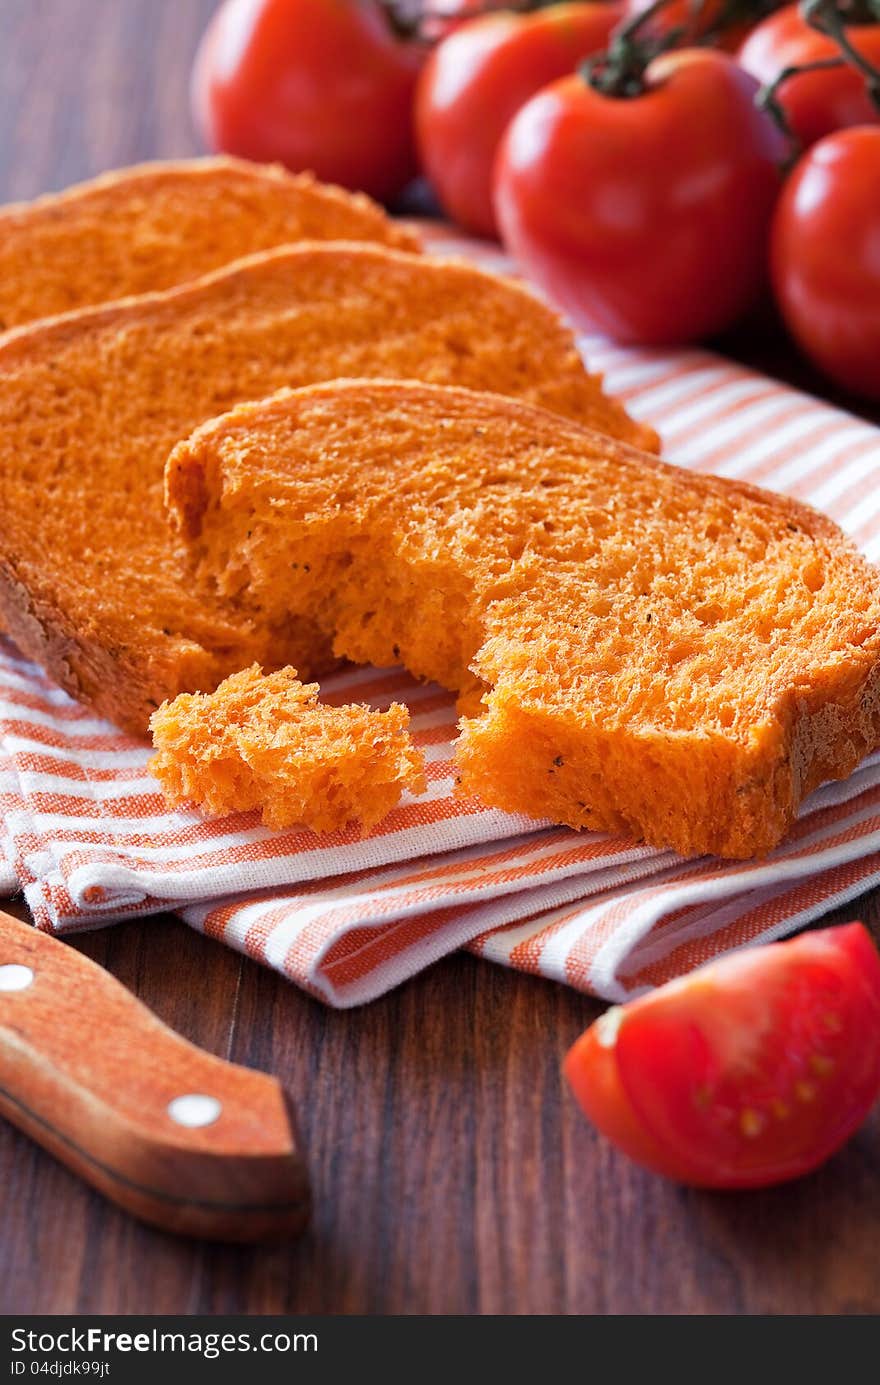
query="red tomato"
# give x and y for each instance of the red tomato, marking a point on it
(474, 83)
(825, 256)
(745, 1073)
(438, 18)
(694, 18)
(324, 85)
(815, 103)
(646, 216)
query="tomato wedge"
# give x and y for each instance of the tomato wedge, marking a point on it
(745, 1073)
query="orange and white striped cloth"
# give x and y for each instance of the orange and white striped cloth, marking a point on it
(87, 837)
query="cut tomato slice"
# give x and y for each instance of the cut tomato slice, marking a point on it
(747, 1072)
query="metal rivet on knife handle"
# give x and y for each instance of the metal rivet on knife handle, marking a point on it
(14, 977)
(195, 1110)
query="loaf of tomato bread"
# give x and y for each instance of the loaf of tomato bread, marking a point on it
(91, 404)
(264, 741)
(143, 229)
(661, 653)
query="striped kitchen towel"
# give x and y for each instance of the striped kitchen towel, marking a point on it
(87, 837)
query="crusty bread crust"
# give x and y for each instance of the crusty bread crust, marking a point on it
(157, 225)
(666, 654)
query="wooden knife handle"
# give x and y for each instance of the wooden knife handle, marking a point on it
(175, 1136)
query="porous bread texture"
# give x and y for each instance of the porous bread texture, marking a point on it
(264, 741)
(663, 654)
(92, 403)
(151, 227)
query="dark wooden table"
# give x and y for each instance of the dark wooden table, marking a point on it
(451, 1171)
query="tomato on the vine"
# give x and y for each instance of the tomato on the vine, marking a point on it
(315, 84)
(644, 214)
(745, 1073)
(825, 255)
(476, 80)
(819, 102)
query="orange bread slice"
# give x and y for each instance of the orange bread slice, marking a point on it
(92, 403)
(266, 742)
(157, 225)
(662, 653)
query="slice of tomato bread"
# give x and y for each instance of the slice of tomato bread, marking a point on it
(92, 403)
(151, 227)
(665, 654)
(264, 741)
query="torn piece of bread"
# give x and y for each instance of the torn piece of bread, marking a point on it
(264, 741)
(666, 654)
(151, 227)
(92, 403)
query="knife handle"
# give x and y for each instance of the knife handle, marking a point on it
(177, 1137)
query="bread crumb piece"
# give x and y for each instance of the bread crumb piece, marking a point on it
(265, 741)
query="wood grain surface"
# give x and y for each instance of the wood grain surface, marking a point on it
(451, 1171)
